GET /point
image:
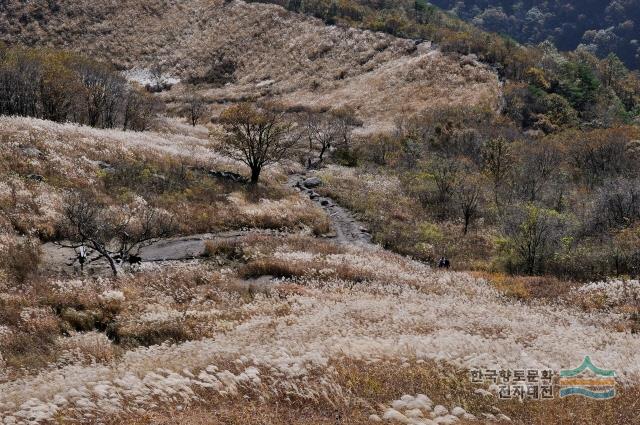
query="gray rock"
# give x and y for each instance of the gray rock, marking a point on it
(32, 152)
(36, 177)
(227, 175)
(471, 59)
(106, 167)
(312, 182)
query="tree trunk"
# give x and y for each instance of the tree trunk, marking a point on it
(106, 255)
(255, 174)
(323, 150)
(112, 265)
(467, 220)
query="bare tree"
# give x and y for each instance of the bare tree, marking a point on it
(257, 137)
(114, 235)
(134, 227)
(382, 148)
(321, 133)
(345, 121)
(616, 205)
(102, 93)
(196, 107)
(84, 226)
(158, 79)
(540, 162)
(498, 164)
(534, 235)
(445, 174)
(468, 197)
(139, 109)
(132, 103)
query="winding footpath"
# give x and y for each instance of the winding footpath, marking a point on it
(345, 227)
(348, 230)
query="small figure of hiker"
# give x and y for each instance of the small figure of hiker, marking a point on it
(444, 263)
(81, 256)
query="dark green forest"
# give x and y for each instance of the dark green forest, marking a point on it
(600, 26)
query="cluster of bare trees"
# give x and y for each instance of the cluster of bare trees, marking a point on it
(260, 136)
(563, 203)
(329, 131)
(61, 86)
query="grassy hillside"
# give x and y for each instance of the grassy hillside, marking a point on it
(42, 163)
(279, 309)
(237, 51)
(471, 183)
(570, 75)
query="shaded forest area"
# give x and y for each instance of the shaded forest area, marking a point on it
(601, 26)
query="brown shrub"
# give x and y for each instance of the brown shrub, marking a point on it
(80, 320)
(21, 259)
(526, 288)
(147, 334)
(228, 248)
(351, 274)
(31, 345)
(548, 287)
(321, 226)
(314, 245)
(271, 267)
(10, 308)
(45, 295)
(268, 244)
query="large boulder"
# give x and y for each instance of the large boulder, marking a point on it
(312, 182)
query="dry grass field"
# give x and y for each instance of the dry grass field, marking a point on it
(265, 328)
(343, 332)
(276, 55)
(285, 322)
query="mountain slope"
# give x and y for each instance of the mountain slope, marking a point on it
(267, 52)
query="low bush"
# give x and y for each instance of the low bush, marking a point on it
(146, 334)
(528, 288)
(21, 259)
(271, 267)
(230, 249)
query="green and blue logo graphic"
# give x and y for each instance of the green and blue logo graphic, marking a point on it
(588, 381)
